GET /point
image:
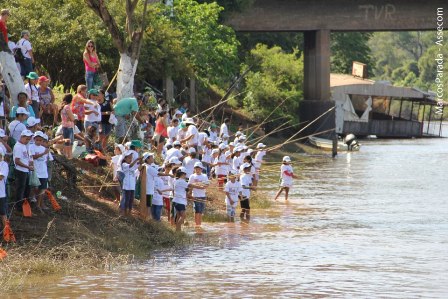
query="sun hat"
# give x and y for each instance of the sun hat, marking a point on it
(32, 121)
(93, 91)
(22, 110)
(182, 125)
(120, 146)
(286, 159)
(33, 76)
(261, 145)
(43, 79)
(26, 133)
(174, 160)
(136, 143)
(198, 164)
(246, 165)
(147, 155)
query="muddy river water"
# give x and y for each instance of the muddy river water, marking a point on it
(372, 224)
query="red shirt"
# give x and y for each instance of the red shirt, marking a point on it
(4, 30)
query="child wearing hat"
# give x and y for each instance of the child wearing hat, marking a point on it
(199, 195)
(232, 189)
(17, 126)
(39, 153)
(128, 167)
(190, 161)
(22, 166)
(247, 184)
(114, 163)
(4, 170)
(287, 176)
(33, 93)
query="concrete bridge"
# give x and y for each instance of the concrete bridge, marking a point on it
(317, 18)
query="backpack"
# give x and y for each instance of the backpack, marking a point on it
(18, 54)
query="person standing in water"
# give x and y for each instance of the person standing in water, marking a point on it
(287, 176)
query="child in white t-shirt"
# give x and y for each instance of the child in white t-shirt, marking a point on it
(199, 195)
(128, 167)
(4, 170)
(232, 190)
(287, 176)
(114, 163)
(246, 181)
(40, 159)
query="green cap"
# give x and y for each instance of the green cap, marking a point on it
(33, 76)
(93, 91)
(183, 125)
(213, 126)
(136, 143)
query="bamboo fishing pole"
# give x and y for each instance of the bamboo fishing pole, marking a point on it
(272, 112)
(251, 127)
(301, 130)
(279, 129)
(297, 139)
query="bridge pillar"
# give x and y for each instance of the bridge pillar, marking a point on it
(316, 82)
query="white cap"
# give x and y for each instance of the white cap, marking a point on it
(231, 144)
(286, 159)
(237, 149)
(174, 160)
(225, 135)
(222, 146)
(121, 147)
(261, 145)
(246, 165)
(178, 112)
(215, 151)
(233, 172)
(176, 143)
(26, 133)
(182, 169)
(45, 136)
(32, 121)
(191, 150)
(39, 134)
(189, 121)
(242, 137)
(198, 164)
(147, 155)
(127, 144)
(245, 147)
(2, 133)
(127, 153)
(238, 133)
(250, 151)
(228, 153)
(22, 110)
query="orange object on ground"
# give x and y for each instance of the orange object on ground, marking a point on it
(54, 204)
(26, 209)
(3, 254)
(8, 235)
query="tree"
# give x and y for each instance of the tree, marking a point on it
(347, 47)
(127, 41)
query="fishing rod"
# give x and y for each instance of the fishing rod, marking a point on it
(297, 139)
(251, 127)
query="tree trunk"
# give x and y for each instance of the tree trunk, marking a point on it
(11, 75)
(125, 78)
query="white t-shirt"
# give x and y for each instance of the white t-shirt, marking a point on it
(151, 175)
(213, 136)
(234, 190)
(21, 151)
(166, 185)
(157, 199)
(202, 136)
(129, 176)
(173, 152)
(114, 163)
(286, 180)
(188, 163)
(4, 170)
(222, 169)
(192, 130)
(202, 179)
(172, 133)
(40, 164)
(11, 45)
(236, 163)
(15, 129)
(223, 130)
(180, 191)
(33, 94)
(246, 181)
(92, 117)
(207, 156)
(25, 46)
(259, 156)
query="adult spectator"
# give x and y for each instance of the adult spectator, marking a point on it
(161, 133)
(26, 66)
(91, 63)
(92, 110)
(224, 128)
(68, 123)
(77, 105)
(46, 99)
(33, 93)
(4, 16)
(22, 101)
(106, 111)
(126, 111)
(12, 45)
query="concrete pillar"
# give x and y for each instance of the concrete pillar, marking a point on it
(317, 65)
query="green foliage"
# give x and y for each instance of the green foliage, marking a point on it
(274, 77)
(347, 47)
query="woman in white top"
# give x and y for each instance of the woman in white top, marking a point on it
(287, 175)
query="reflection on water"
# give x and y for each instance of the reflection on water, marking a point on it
(365, 225)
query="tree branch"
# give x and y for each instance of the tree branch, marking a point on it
(99, 8)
